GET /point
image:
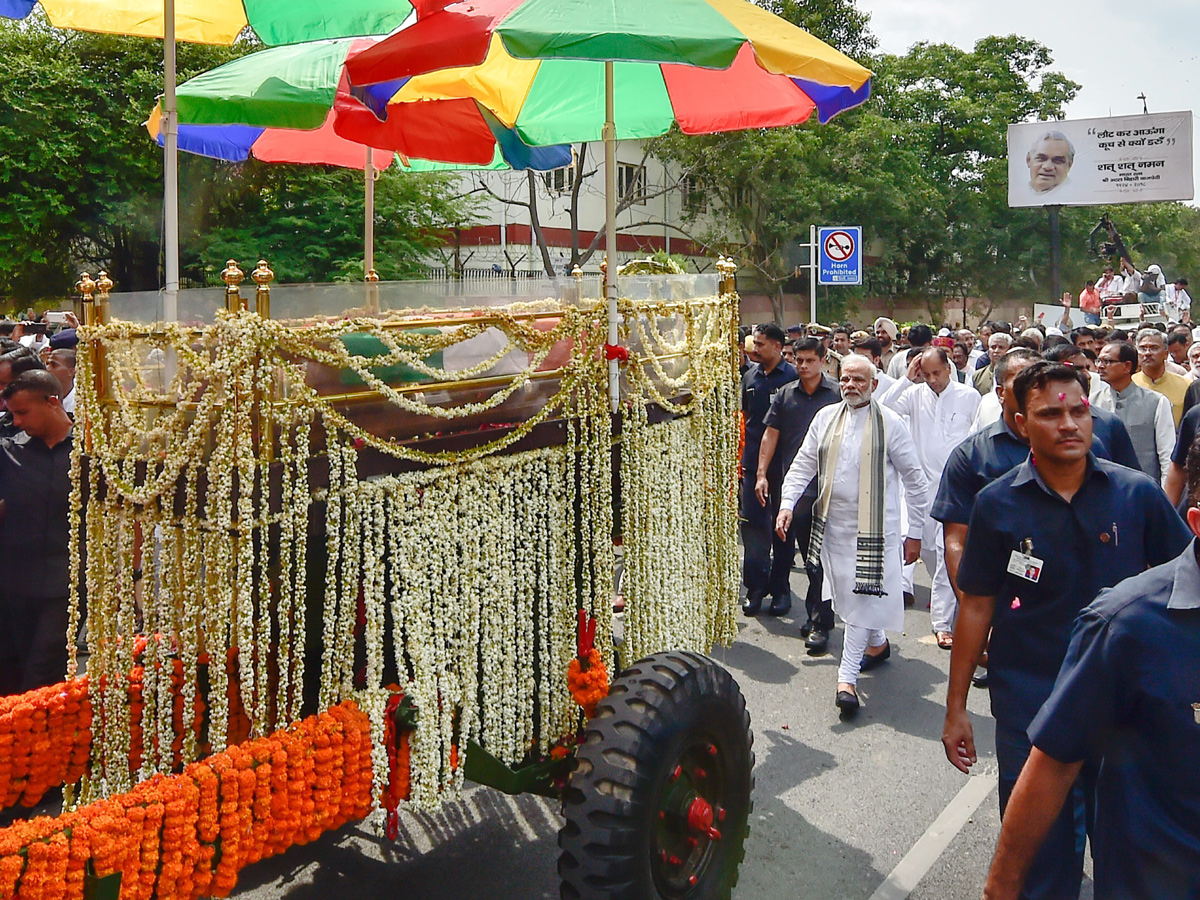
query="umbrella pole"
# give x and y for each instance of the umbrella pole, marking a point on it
(170, 169)
(369, 220)
(610, 232)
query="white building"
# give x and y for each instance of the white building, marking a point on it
(503, 241)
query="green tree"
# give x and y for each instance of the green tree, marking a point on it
(308, 220)
(956, 106)
(921, 166)
(80, 181)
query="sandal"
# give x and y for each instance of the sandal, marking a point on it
(945, 639)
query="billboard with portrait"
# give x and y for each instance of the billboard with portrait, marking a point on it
(1094, 162)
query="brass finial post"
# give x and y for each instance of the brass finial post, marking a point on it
(727, 267)
(263, 276)
(577, 274)
(104, 286)
(233, 277)
(87, 305)
(372, 280)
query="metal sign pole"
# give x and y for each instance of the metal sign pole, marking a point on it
(812, 273)
(170, 169)
(610, 232)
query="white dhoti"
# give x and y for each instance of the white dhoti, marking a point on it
(854, 645)
(938, 423)
(943, 602)
(909, 571)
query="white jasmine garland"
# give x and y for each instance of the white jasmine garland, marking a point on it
(475, 558)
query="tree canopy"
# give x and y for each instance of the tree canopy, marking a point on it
(81, 182)
(922, 166)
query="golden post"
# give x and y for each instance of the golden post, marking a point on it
(233, 277)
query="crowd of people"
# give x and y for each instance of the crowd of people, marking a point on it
(1129, 286)
(1047, 481)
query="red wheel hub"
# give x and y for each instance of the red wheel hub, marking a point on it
(700, 819)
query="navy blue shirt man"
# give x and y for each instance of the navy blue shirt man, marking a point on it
(791, 413)
(997, 449)
(1128, 694)
(1042, 542)
(759, 384)
(35, 487)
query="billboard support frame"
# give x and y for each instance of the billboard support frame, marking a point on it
(1055, 251)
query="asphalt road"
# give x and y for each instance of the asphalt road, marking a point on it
(855, 810)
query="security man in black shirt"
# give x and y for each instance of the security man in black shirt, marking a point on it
(791, 413)
(35, 488)
(759, 385)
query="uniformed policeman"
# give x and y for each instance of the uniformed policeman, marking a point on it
(759, 384)
(833, 359)
(1128, 694)
(1043, 540)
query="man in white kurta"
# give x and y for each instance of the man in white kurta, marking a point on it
(866, 616)
(940, 414)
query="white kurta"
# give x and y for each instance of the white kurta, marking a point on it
(937, 422)
(839, 550)
(990, 409)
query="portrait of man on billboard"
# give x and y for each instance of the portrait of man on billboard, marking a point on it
(1049, 161)
(1093, 162)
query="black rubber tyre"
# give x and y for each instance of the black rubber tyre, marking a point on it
(669, 748)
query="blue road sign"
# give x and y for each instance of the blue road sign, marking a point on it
(839, 255)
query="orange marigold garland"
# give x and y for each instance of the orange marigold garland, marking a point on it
(45, 740)
(186, 836)
(587, 676)
(46, 734)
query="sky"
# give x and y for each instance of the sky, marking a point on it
(1114, 48)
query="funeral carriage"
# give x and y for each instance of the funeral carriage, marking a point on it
(350, 546)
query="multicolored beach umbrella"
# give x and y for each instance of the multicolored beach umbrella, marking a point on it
(283, 104)
(213, 22)
(287, 104)
(221, 21)
(709, 65)
(574, 70)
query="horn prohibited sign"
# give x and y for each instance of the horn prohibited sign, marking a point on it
(839, 255)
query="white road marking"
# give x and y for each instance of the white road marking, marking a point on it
(933, 843)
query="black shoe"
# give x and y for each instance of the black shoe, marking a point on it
(780, 606)
(869, 662)
(847, 702)
(817, 641)
(752, 605)
(909, 600)
(980, 678)
(806, 628)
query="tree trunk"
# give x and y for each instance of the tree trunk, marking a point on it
(777, 304)
(536, 225)
(576, 184)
